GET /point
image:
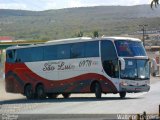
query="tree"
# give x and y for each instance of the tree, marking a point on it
(154, 2)
(80, 34)
(95, 34)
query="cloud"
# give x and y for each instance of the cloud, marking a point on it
(133, 2)
(80, 3)
(13, 6)
(50, 6)
(74, 3)
(58, 4)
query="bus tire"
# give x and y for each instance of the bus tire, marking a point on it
(40, 92)
(66, 95)
(29, 92)
(122, 95)
(97, 90)
(52, 95)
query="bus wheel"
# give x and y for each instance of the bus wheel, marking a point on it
(52, 95)
(97, 90)
(122, 94)
(66, 95)
(40, 92)
(29, 92)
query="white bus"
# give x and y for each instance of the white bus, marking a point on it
(79, 65)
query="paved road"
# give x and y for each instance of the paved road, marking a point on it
(85, 104)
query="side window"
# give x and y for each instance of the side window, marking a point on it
(24, 55)
(109, 59)
(30, 54)
(92, 49)
(50, 52)
(37, 53)
(63, 51)
(108, 51)
(77, 50)
(9, 56)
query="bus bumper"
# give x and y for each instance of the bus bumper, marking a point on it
(135, 89)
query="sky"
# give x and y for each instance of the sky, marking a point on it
(39, 5)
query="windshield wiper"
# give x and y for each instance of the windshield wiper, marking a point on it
(131, 78)
(143, 78)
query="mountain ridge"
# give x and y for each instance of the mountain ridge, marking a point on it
(63, 23)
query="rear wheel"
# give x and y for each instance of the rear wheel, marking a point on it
(29, 92)
(97, 90)
(122, 94)
(66, 95)
(40, 92)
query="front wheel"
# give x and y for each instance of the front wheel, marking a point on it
(40, 92)
(122, 94)
(97, 90)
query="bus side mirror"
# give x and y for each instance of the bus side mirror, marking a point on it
(154, 67)
(122, 63)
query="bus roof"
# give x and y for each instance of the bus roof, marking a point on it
(74, 40)
(120, 38)
(69, 39)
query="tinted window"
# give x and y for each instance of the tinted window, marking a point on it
(30, 54)
(24, 55)
(63, 51)
(109, 59)
(50, 52)
(92, 49)
(77, 50)
(108, 51)
(37, 53)
(130, 48)
(9, 56)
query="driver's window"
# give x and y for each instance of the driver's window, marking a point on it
(109, 59)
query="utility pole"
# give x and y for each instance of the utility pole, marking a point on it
(143, 28)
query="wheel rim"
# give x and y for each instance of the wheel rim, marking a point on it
(28, 92)
(40, 92)
(96, 88)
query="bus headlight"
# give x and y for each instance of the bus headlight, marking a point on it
(123, 83)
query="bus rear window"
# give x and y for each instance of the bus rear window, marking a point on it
(129, 48)
(10, 56)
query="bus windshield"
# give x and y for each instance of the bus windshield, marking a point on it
(135, 69)
(126, 48)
